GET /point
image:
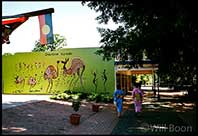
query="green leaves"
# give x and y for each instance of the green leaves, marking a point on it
(59, 43)
(155, 29)
(76, 104)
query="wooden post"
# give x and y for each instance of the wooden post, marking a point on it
(158, 85)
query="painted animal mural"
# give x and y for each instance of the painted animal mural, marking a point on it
(32, 81)
(77, 70)
(77, 67)
(51, 73)
(94, 81)
(104, 77)
(20, 82)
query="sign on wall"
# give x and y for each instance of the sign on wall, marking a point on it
(78, 69)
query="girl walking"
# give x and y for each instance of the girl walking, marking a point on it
(137, 98)
(118, 99)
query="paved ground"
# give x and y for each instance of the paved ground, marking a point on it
(52, 117)
(9, 101)
(36, 114)
(152, 123)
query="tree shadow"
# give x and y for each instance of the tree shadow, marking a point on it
(43, 117)
(174, 103)
(159, 117)
(152, 122)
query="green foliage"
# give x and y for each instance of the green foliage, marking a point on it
(165, 35)
(59, 42)
(82, 95)
(93, 97)
(7, 54)
(65, 96)
(100, 98)
(76, 104)
(68, 91)
(53, 97)
(75, 96)
(108, 99)
(61, 96)
(69, 95)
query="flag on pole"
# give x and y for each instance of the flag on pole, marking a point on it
(46, 31)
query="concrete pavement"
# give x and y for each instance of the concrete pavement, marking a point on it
(9, 101)
(152, 122)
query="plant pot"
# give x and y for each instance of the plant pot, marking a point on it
(95, 107)
(75, 119)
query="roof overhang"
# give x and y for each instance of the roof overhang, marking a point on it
(10, 23)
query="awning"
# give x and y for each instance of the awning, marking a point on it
(9, 25)
(14, 20)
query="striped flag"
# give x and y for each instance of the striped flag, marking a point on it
(46, 31)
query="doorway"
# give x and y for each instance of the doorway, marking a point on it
(127, 78)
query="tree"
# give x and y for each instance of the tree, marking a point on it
(165, 31)
(7, 54)
(59, 42)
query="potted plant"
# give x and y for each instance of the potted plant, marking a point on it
(96, 106)
(75, 117)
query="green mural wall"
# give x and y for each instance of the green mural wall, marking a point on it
(78, 69)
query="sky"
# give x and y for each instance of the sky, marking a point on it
(70, 19)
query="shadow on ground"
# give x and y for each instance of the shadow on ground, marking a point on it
(163, 117)
(41, 117)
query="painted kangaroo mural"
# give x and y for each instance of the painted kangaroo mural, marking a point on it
(77, 70)
(77, 67)
(51, 73)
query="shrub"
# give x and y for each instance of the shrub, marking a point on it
(68, 92)
(61, 96)
(98, 98)
(92, 97)
(66, 96)
(75, 96)
(108, 98)
(83, 95)
(53, 97)
(76, 104)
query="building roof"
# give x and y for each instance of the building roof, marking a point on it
(10, 23)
